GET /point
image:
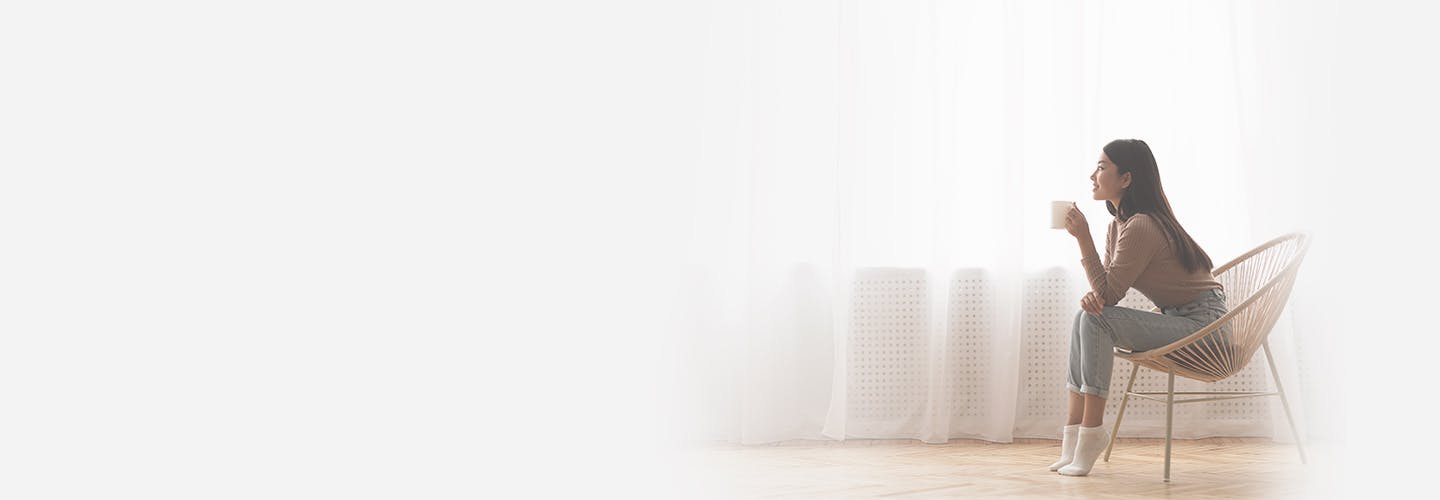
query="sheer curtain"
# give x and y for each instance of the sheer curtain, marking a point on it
(866, 164)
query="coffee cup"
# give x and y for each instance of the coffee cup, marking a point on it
(1058, 211)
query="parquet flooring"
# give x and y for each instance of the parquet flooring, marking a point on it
(1204, 468)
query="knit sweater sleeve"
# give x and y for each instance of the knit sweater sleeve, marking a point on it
(1138, 241)
(1110, 243)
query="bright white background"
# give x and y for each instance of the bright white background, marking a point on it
(430, 249)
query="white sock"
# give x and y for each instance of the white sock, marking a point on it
(1092, 442)
(1068, 436)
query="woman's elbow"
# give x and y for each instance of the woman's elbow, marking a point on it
(1111, 297)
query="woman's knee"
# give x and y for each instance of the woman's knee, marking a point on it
(1091, 324)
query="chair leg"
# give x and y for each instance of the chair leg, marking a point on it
(1295, 432)
(1123, 401)
(1169, 421)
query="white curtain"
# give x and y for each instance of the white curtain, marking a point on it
(864, 158)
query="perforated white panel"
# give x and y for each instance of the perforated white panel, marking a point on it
(887, 354)
(1254, 377)
(889, 358)
(969, 344)
(1044, 359)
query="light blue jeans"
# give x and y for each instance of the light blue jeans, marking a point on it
(1094, 338)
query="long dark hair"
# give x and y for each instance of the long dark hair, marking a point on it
(1146, 196)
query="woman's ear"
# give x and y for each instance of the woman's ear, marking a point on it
(1125, 180)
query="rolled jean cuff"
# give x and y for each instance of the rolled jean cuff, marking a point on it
(1090, 389)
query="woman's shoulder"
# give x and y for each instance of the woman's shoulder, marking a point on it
(1141, 218)
(1141, 223)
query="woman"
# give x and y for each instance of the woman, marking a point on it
(1145, 248)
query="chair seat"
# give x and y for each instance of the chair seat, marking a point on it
(1206, 359)
(1185, 365)
(1196, 366)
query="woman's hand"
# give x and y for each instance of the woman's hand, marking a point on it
(1092, 304)
(1075, 222)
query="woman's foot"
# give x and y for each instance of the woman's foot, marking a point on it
(1068, 437)
(1091, 442)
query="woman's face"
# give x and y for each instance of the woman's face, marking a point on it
(1108, 183)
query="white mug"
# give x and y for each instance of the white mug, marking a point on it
(1058, 211)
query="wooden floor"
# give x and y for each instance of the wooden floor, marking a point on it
(1205, 468)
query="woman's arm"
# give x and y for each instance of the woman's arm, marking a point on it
(1139, 239)
(1088, 254)
(1087, 246)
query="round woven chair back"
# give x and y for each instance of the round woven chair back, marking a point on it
(1257, 287)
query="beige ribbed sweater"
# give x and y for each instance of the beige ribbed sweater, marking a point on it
(1137, 254)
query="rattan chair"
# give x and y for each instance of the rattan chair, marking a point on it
(1257, 286)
